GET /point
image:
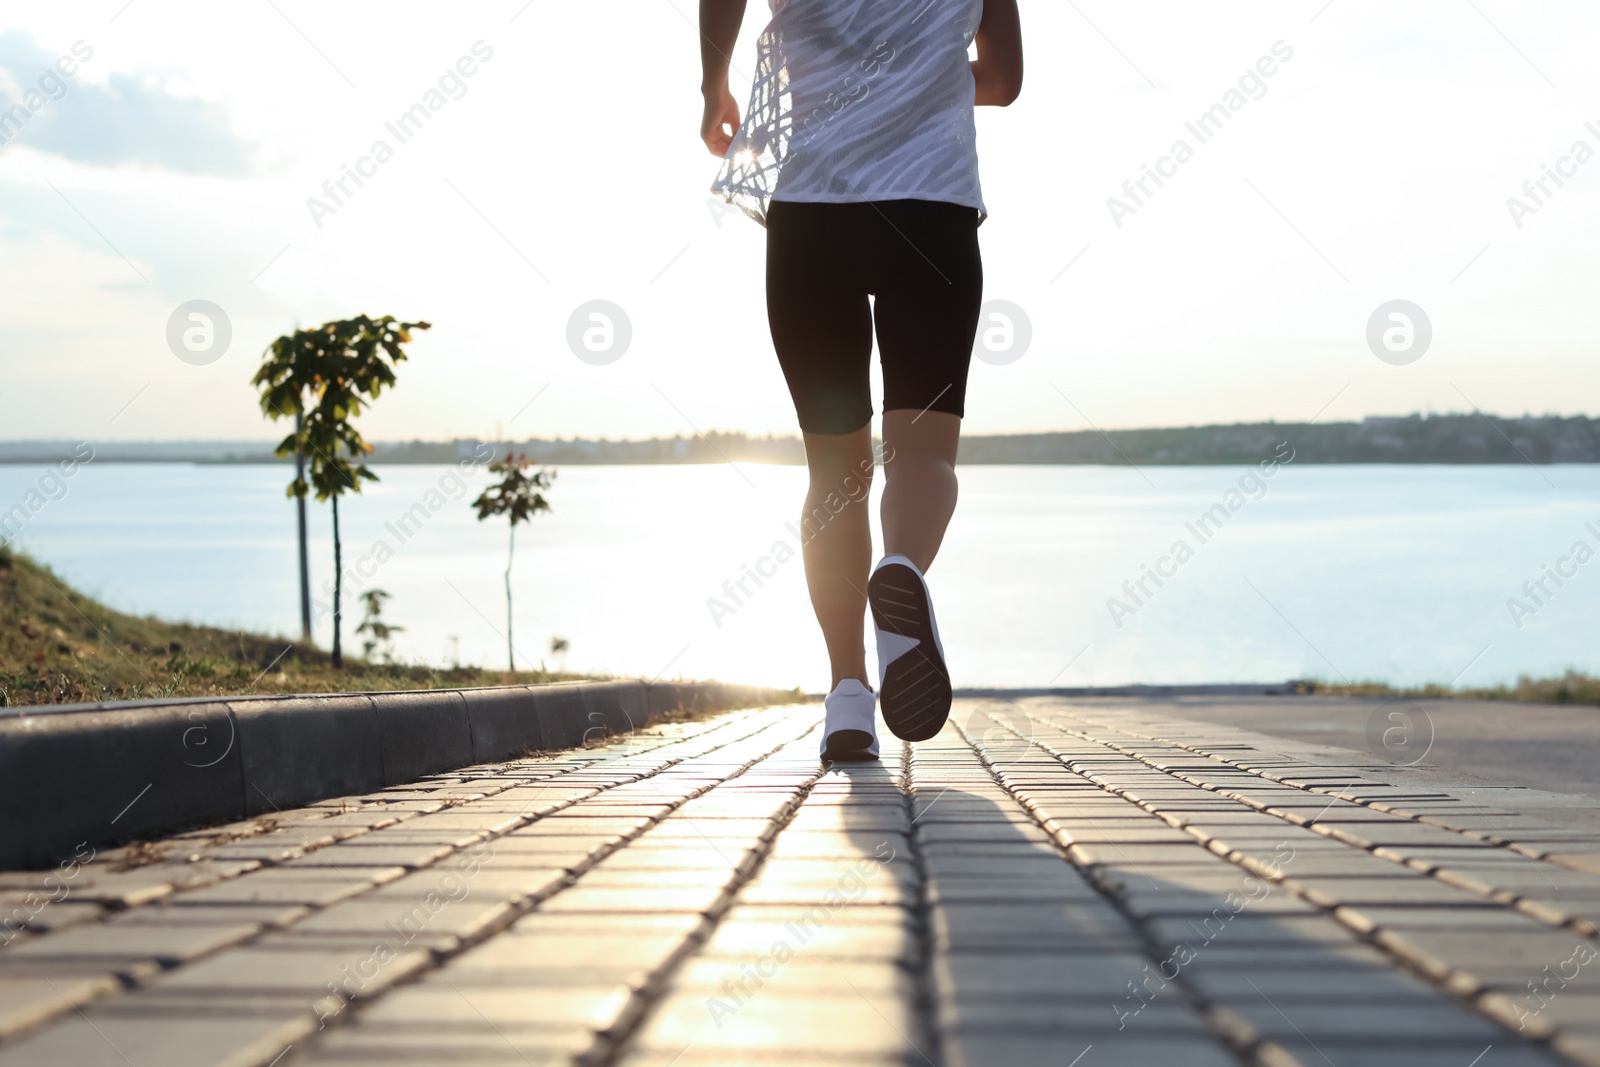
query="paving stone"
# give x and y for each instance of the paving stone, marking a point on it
(45, 916)
(1140, 855)
(1587, 861)
(476, 1044)
(514, 881)
(1133, 835)
(1027, 863)
(356, 854)
(702, 827)
(609, 829)
(606, 877)
(612, 899)
(269, 848)
(1483, 951)
(996, 973)
(283, 965)
(778, 974)
(838, 846)
(1377, 1023)
(1066, 888)
(933, 833)
(1058, 927)
(178, 911)
(860, 933)
(1329, 890)
(868, 1024)
(25, 1002)
(444, 1004)
(639, 857)
(874, 866)
(1305, 981)
(422, 917)
(714, 1057)
(123, 948)
(116, 1039)
(293, 886)
(1263, 899)
(551, 943)
(1348, 863)
(1487, 918)
(1426, 1052)
(1006, 1048)
(981, 929)
(781, 891)
(1110, 1018)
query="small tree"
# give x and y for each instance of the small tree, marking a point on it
(519, 495)
(341, 365)
(380, 634)
(284, 378)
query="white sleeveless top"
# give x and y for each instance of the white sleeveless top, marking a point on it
(859, 100)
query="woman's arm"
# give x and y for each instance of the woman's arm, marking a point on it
(998, 68)
(719, 32)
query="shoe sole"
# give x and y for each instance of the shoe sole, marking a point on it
(915, 694)
(848, 746)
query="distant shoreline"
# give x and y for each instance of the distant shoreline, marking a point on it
(1462, 440)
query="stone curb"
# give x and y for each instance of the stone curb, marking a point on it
(106, 774)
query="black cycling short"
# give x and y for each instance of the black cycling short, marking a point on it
(919, 259)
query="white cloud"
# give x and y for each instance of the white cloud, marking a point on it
(125, 118)
(1390, 143)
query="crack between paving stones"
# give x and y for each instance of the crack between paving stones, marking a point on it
(1231, 1031)
(133, 984)
(1521, 904)
(527, 904)
(922, 912)
(1454, 983)
(647, 998)
(1497, 840)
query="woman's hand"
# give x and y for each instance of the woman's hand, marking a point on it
(719, 29)
(720, 120)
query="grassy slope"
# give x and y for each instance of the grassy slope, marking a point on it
(1571, 688)
(58, 646)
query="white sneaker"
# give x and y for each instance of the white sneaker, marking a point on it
(849, 729)
(913, 681)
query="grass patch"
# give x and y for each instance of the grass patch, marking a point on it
(1574, 687)
(58, 646)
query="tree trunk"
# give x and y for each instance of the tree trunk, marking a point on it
(305, 559)
(338, 588)
(511, 656)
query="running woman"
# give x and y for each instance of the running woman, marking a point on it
(859, 155)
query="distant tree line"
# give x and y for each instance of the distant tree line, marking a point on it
(1399, 439)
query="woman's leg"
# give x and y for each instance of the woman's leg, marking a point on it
(919, 493)
(929, 294)
(929, 285)
(837, 544)
(822, 330)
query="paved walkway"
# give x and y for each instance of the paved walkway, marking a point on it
(1047, 882)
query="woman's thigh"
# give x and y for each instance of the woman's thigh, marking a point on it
(929, 285)
(818, 311)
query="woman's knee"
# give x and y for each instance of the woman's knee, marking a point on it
(840, 463)
(919, 467)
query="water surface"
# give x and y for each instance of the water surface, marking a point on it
(1399, 573)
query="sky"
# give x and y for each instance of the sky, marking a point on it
(560, 164)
